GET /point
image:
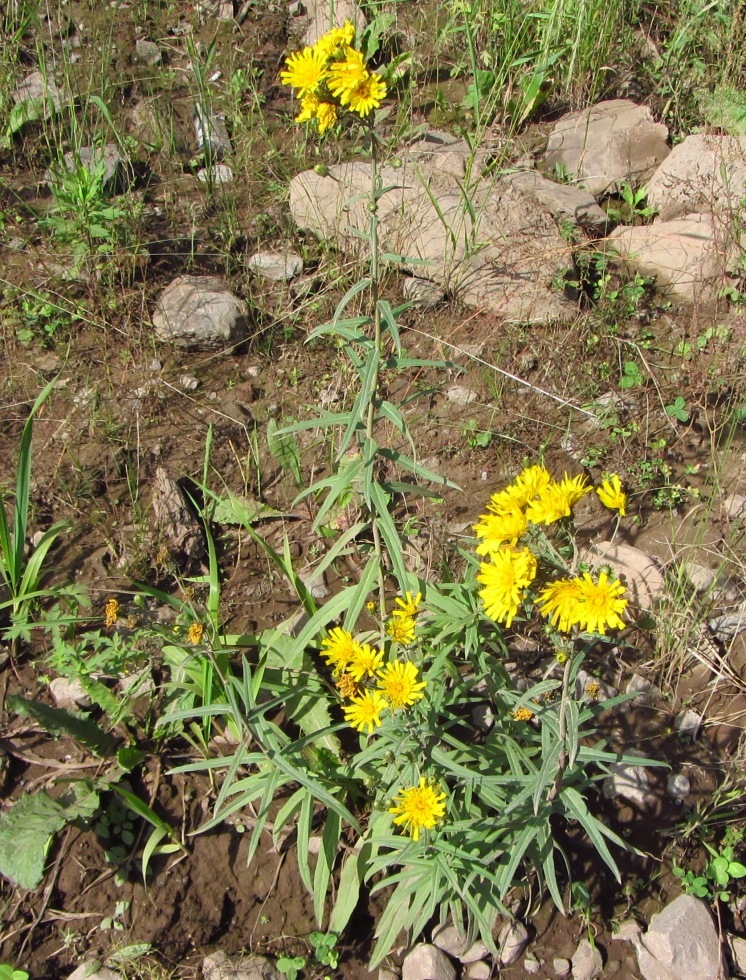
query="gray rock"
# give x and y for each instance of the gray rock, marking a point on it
(187, 382)
(645, 690)
(148, 52)
(92, 157)
(218, 173)
(530, 964)
(561, 966)
(173, 516)
(642, 576)
(688, 257)
(68, 692)
(317, 587)
(678, 787)
(384, 974)
(511, 941)
(688, 722)
(479, 970)
(426, 962)
(460, 395)
(218, 966)
(137, 684)
(199, 312)
(728, 626)
(277, 266)
(587, 961)
(611, 143)
(296, 9)
(738, 952)
(451, 941)
(701, 174)
(422, 293)
(317, 12)
(681, 943)
(628, 931)
(630, 782)
(483, 717)
(39, 96)
(734, 506)
(565, 202)
(92, 970)
(593, 688)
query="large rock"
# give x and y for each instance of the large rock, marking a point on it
(489, 246)
(701, 174)
(688, 256)
(199, 312)
(681, 943)
(565, 202)
(611, 143)
(642, 576)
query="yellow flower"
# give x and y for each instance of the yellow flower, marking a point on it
(306, 70)
(408, 606)
(326, 116)
(528, 484)
(574, 488)
(611, 495)
(365, 711)
(556, 500)
(111, 612)
(370, 606)
(338, 648)
(504, 578)
(401, 629)
(195, 633)
(593, 690)
(312, 107)
(366, 95)
(419, 808)
(345, 75)
(558, 602)
(600, 604)
(495, 530)
(399, 684)
(347, 686)
(366, 661)
(523, 714)
(338, 37)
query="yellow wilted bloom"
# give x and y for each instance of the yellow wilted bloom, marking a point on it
(111, 612)
(195, 633)
(399, 685)
(347, 686)
(305, 71)
(312, 107)
(365, 711)
(523, 714)
(611, 495)
(419, 808)
(504, 578)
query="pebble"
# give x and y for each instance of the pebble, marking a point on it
(727, 627)
(483, 717)
(219, 173)
(645, 690)
(512, 940)
(148, 52)
(678, 787)
(734, 506)
(451, 941)
(530, 964)
(630, 782)
(479, 970)
(68, 692)
(688, 722)
(587, 962)
(426, 962)
(422, 293)
(277, 266)
(187, 382)
(460, 395)
(561, 966)
(628, 931)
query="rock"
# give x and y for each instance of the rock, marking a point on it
(144, 125)
(479, 970)
(564, 202)
(218, 173)
(92, 157)
(592, 688)
(92, 970)
(511, 941)
(460, 395)
(317, 12)
(611, 143)
(137, 684)
(681, 943)
(678, 787)
(702, 174)
(687, 256)
(561, 966)
(423, 217)
(68, 692)
(688, 722)
(277, 266)
(645, 690)
(187, 382)
(39, 96)
(173, 516)
(318, 587)
(451, 941)
(734, 506)
(738, 952)
(422, 293)
(384, 974)
(218, 966)
(587, 961)
(426, 962)
(199, 312)
(530, 964)
(296, 9)
(630, 782)
(148, 52)
(628, 931)
(728, 626)
(483, 717)
(643, 578)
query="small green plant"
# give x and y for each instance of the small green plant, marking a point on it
(324, 945)
(9, 972)
(290, 966)
(720, 872)
(475, 437)
(677, 409)
(631, 208)
(115, 921)
(631, 375)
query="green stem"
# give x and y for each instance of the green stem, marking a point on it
(563, 758)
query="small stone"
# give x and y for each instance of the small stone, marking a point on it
(137, 684)
(426, 962)
(196, 312)
(68, 692)
(587, 961)
(590, 688)
(738, 951)
(678, 787)
(318, 587)
(628, 931)
(734, 506)
(688, 722)
(561, 966)
(384, 974)
(530, 964)
(460, 395)
(451, 941)
(218, 966)
(187, 382)
(155, 366)
(218, 173)
(108, 158)
(511, 941)
(148, 52)
(422, 293)
(630, 782)
(92, 970)
(482, 717)
(39, 95)
(296, 9)
(277, 266)
(728, 626)
(479, 970)
(645, 690)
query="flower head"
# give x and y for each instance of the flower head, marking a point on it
(611, 495)
(408, 605)
(366, 95)
(365, 711)
(523, 714)
(305, 71)
(504, 577)
(401, 629)
(195, 633)
(337, 37)
(338, 648)
(600, 604)
(366, 661)
(528, 484)
(495, 530)
(399, 685)
(111, 611)
(558, 602)
(419, 808)
(346, 74)
(556, 500)
(312, 107)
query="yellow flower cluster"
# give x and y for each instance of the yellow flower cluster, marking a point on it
(330, 76)
(356, 666)
(401, 627)
(419, 807)
(504, 537)
(111, 611)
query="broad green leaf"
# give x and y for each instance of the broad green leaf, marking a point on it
(26, 831)
(242, 510)
(57, 721)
